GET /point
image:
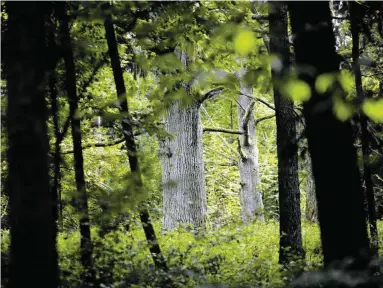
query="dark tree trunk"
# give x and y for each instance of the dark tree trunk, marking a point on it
(33, 229)
(337, 180)
(289, 195)
(366, 149)
(88, 277)
(147, 225)
(56, 189)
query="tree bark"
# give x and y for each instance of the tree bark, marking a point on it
(337, 180)
(33, 229)
(86, 249)
(250, 194)
(183, 177)
(366, 149)
(290, 244)
(147, 225)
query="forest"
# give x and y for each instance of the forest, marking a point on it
(191, 144)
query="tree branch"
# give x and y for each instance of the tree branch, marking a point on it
(222, 130)
(259, 100)
(257, 121)
(246, 117)
(116, 142)
(245, 122)
(212, 93)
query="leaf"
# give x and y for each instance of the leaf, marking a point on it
(346, 80)
(244, 42)
(296, 90)
(374, 110)
(324, 82)
(342, 110)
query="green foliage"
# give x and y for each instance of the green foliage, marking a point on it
(194, 258)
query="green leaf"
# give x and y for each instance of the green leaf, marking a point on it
(244, 42)
(346, 80)
(296, 90)
(342, 110)
(374, 110)
(324, 82)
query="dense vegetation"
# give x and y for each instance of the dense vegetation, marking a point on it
(191, 144)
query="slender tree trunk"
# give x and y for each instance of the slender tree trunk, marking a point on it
(147, 225)
(183, 178)
(366, 149)
(33, 229)
(289, 195)
(338, 188)
(250, 194)
(56, 187)
(86, 250)
(311, 201)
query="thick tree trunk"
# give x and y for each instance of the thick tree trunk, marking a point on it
(147, 225)
(366, 149)
(33, 229)
(287, 149)
(250, 194)
(337, 180)
(311, 213)
(88, 277)
(183, 178)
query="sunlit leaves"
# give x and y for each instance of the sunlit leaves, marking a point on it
(374, 110)
(346, 80)
(296, 90)
(342, 110)
(324, 82)
(244, 42)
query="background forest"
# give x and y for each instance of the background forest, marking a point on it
(191, 144)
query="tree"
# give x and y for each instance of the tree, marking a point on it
(250, 195)
(287, 148)
(131, 147)
(33, 227)
(183, 173)
(81, 200)
(356, 18)
(338, 188)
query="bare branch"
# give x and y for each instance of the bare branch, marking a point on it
(246, 117)
(259, 100)
(212, 93)
(222, 130)
(116, 142)
(264, 118)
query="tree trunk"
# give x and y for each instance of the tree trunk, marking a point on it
(250, 194)
(311, 201)
(366, 149)
(33, 229)
(147, 225)
(88, 277)
(337, 180)
(183, 178)
(287, 148)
